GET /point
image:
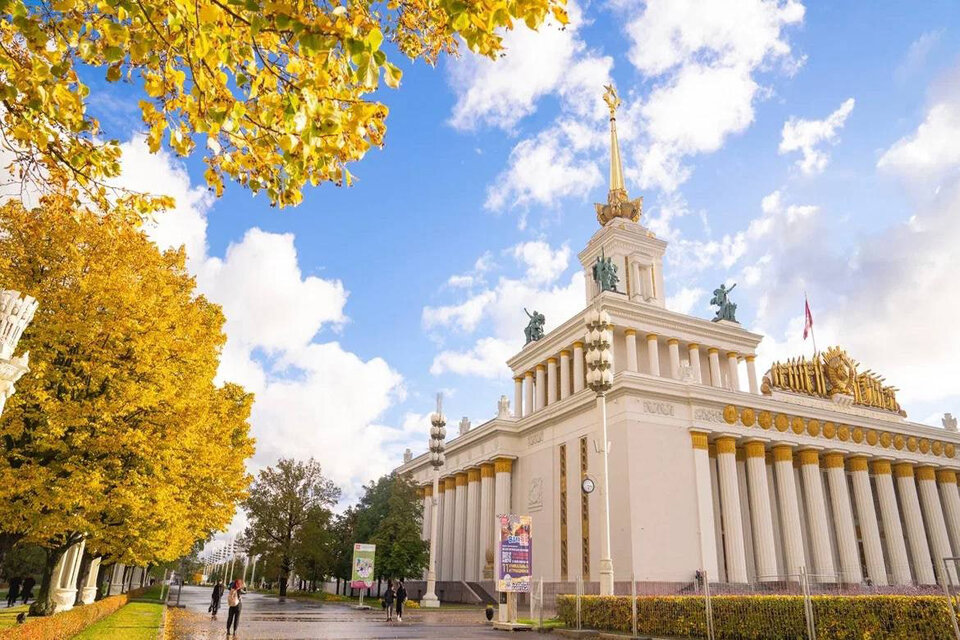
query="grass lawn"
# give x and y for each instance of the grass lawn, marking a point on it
(135, 621)
(152, 594)
(8, 617)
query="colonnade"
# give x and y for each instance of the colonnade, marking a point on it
(468, 502)
(563, 374)
(769, 510)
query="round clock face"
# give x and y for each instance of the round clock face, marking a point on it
(588, 485)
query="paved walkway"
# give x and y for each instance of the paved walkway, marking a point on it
(268, 617)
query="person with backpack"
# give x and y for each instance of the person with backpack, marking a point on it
(401, 598)
(235, 603)
(388, 599)
(215, 598)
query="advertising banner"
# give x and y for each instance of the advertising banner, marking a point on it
(514, 553)
(363, 558)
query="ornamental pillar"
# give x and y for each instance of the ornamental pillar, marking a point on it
(89, 591)
(867, 517)
(714, 356)
(733, 372)
(693, 350)
(745, 515)
(564, 374)
(578, 378)
(850, 569)
(541, 388)
(64, 583)
(460, 525)
(912, 517)
(471, 563)
(892, 531)
(817, 516)
(653, 354)
(504, 470)
(116, 579)
(708, 541)
(730, 506)
(933, 516)
(527, 393)
(449, 525)
(947, 479)
(518, 397)
(552, 382)
(631, 339)
(752, 374)
(487, 515)
(761, 515)
(673, 348)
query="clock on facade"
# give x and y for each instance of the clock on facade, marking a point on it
(588, 485)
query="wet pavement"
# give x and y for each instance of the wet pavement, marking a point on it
(268, 617)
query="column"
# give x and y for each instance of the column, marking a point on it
(471, 563)
(775, 514)
(916, 534)
(89, 592)
(541, 388)
(867, 518)
(933, 515)
(631, 337)
(460, 526)
(947, 479)
(427, 511)
(892, 531)
(578, 378)
(653, 354)
(730, 507)
(850, 569)
(64, 582)
(745, 516)
(116, 579)
(817, 516)
(487, 515)
(527, 393)
(564, 374)
(693, 350)
(714, 355)
(673, 347)
(449, 513)
(438, 504)
(708, 541)
(503, 468)
(518, 397)
(732, 371)
(761, 520)
(552, 380)
(717, 512)
(752, 374)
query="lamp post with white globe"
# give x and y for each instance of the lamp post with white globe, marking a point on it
(600, 378)
(438, 432)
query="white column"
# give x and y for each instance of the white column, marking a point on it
(527, 393)
(116, 579)
(89, 593)
(449, 515)
(673, 348)
(775, 514)
(715, 379)
(708, 541)
(631, 337)
(541, 388)
(471, 564)
(730, 505)
(867, 518)
(717, 512)
(552, 382)
(752, 374)
(64, 583)
(504, 469)
(487, 514)
(693, 350)
(933, 516)
(460, 526)
(578, 378)
(564, 374)
(816, 508)
(947, 479)
(653, 354)
(745, 517)
(518, 397)
(850, 569)
(732, 371)
(892, 531)
(913, 519)
(761, 517)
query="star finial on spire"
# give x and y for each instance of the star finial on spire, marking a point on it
(612, 99)
(618, 204)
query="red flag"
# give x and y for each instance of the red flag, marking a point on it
(808, 321)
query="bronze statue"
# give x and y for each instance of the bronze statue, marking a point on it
(726, 310)
(534, 330)
(605, 273)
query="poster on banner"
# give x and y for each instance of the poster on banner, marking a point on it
(514, 553)
(363, 559)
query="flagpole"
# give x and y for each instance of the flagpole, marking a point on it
(813, 335)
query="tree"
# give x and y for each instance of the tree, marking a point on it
(118, 435)
(313, 546)
(277, 93)
(282, 501)
(401, 552)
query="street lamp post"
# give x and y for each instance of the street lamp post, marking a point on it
(600, 378)
(438, 432)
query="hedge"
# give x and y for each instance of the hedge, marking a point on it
(766, 617)
(69, 623)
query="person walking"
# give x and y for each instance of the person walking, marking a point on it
(215, 599)
(27, 589)
(235, 603)
(401, 598)
(388, 599)
(14, 591)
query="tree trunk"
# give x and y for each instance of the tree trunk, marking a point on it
(282, 583)
(105, 571)
(44, 605)
(85, 561)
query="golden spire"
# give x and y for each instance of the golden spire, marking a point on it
(618, 203)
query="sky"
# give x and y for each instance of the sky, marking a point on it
(787, 147)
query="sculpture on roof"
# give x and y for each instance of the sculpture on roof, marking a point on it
(605, 273)
(534, 330)
(721, 298)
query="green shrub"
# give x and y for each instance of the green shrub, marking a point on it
(69, 623)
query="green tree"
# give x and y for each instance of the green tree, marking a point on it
(401, 553)
(314, 547)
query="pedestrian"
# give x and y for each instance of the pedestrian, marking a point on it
(14, 591)
(215, 598)
(235, 603)
(388, 598)
(27, 589)
(401, 598)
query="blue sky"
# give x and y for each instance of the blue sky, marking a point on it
(783, 146)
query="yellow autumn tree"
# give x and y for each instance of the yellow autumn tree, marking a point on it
(277, 92)
(118, 434)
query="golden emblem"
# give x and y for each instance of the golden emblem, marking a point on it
(840, 371)
(730, 414)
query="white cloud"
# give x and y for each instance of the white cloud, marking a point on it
(543, 264)
(486, 359)
(464, 316)
(917, 55)
(932, 152)
(806, 136)
(684, 300)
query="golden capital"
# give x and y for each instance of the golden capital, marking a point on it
(755, 449)
(692, 346)
(833, 461)
(473, 475)
(926, 473)
(947, 476)
(903, 470)
(503, 465)
(486, 470)
(782, 453)
(809, 456)
(699, 439)
(857, 463)
(880, 467)
(461, 479)
(726, 444)
(449, 484)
